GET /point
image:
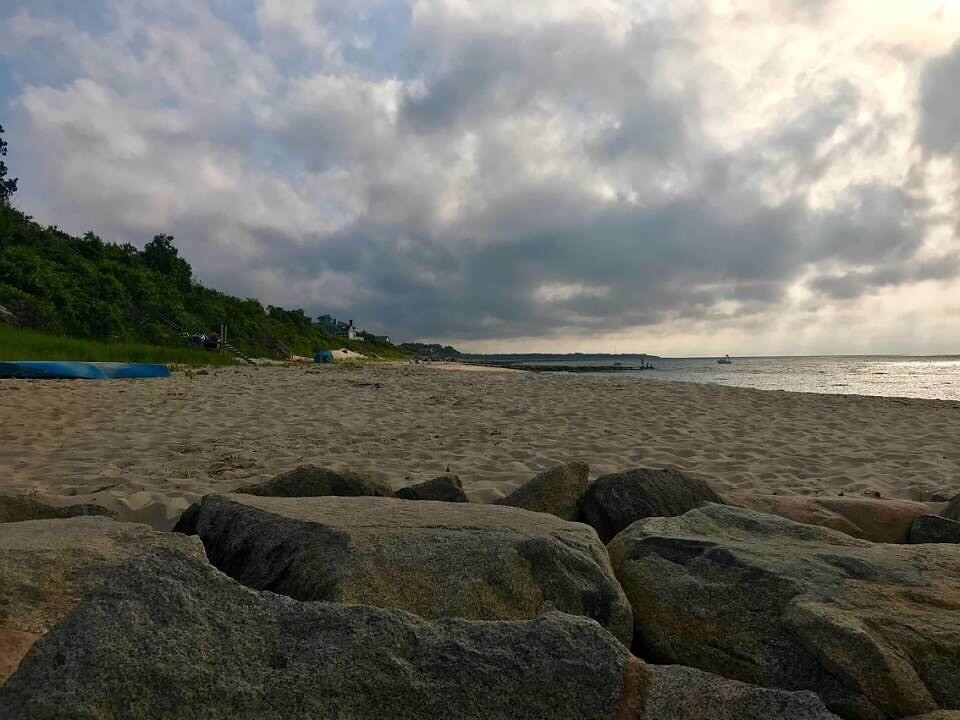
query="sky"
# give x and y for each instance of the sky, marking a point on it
(671, 177)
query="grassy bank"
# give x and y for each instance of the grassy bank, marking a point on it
(20, 344)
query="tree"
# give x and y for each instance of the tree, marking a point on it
(7, 187)
(88, 288)
(161, 255)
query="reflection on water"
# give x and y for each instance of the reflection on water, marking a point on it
(889, 376)
(926, 377)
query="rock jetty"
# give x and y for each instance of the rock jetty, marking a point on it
(481, 562)
(313, 481)
(873, 629)
(558, 491)
(615, 501)
(321, 594)
(446, 488)
(172, 638)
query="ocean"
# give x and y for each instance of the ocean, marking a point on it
(890, 376)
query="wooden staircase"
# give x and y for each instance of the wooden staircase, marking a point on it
(227, 345)
(282, 348)
(233, 350)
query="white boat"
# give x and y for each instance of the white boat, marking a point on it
(724, 361)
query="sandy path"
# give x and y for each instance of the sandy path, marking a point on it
(148, 448)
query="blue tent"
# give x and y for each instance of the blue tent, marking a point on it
(323, 356)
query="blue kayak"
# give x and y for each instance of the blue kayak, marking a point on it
(66, 370)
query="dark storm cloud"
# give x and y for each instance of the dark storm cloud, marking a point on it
(620, 265)
(940, 104)
(478, 75)
(854, 284)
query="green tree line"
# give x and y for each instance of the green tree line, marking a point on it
(85, 287)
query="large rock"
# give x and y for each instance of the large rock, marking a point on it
(172, 638)
(47, 566)
(313, 481)
(952, 511)
(615, 501)
(17, 508)
(479, 562)
(557, 491)
(7, 317)
(934, 529)
(446, 488)
(867, 518)
(674, 692)
(873, 628)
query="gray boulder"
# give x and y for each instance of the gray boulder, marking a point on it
(313, 481)
(674, 692)
(952, 511)
(47, 566)
(614, 501)
(557, 491)
(479, 562)
(934, 529)
(446, 488)
(874, 629)
(17, 508)
(172, 638)
(7, 317)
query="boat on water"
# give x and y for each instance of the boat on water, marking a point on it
(724, 360)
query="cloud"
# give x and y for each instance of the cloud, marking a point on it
(551, 293)
(857, 283)
(497, 172)
(939, 104)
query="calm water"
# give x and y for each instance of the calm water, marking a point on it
(896, 376)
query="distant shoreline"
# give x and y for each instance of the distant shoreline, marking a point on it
(470, 357)
(924, 377)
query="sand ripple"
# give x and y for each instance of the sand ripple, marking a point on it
(148, 448)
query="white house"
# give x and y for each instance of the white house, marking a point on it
(344, 329)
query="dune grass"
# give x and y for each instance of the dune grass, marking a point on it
(21, 344)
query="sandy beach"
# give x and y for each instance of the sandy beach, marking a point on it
(146, 449)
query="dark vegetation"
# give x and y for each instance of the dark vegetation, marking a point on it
(432, 351)
(22, 344)
(87, 288)
(8, 186)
